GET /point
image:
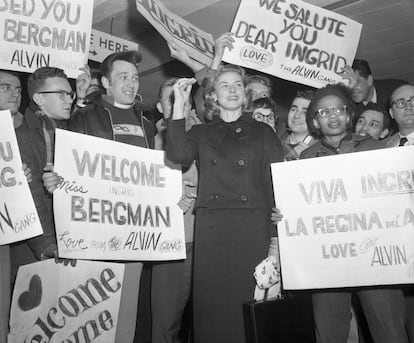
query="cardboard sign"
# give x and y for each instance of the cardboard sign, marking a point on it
(348, 219)
(293, 40)
(18, 215)
(104, 44)
(198, 44)
(87, 303)
(116, 201)
(36, 34)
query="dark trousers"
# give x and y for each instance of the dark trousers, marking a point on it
(170, 293)
(383, 308)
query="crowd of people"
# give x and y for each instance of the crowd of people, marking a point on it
(224, 129)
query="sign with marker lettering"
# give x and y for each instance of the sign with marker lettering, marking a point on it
(36, 34)
(198, 44)
(348, 219)
(293, 40)
(104, 44)
(91, 302)
(18, 215)
(116, 201)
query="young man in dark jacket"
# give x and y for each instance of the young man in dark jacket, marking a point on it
(51, 98)
(116, 115)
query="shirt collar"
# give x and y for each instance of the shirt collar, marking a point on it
(373, 99)
(410, 137)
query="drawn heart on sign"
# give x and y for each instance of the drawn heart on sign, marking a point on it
(31, 298)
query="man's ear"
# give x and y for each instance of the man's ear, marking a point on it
(370, 80)
(38, 99)
(384, 134)
(315, 123)
(105, 82)
(391, 112)
(159, 107)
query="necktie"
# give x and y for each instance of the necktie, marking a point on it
(403, 140)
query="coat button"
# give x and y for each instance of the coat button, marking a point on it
(214, 196)
(213, 162)
(241, 163)
(243, 197)
(238, 130)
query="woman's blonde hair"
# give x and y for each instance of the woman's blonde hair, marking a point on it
(211, 105)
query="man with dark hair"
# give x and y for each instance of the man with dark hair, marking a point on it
(365, 89)
(374, 121)
(115, 114)
(296, 137)
(51, 99)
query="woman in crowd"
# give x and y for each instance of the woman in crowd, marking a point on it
(328, 117)
(264, 110)
(233, 227)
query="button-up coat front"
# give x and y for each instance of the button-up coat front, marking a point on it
(233, 159)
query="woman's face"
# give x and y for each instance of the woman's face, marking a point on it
(331, 116)
(229, 90)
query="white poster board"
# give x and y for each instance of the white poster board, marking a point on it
(293, 40)
(116, 201)
(104, 44)
(36, 34)
(86, 303)
(348, 219)
(198, 44)
(18, 215)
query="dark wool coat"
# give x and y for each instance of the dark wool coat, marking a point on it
(233, 160)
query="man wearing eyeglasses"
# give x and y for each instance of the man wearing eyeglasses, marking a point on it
(51, 99)
(10, 99)
(402, 111)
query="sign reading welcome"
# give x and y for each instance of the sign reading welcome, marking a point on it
(92, 302)
(348, 219)
(18, 215)
(36, 34)
(116, 201)
(293, 40)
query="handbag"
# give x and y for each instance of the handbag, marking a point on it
(284, 320)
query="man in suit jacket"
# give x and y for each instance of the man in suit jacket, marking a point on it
(402, 111)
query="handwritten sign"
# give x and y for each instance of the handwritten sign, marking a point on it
(92, 302)
(116, 201)
(347, 226)
(293, 40)
(198, 44)
(18, 215)
(104, 44)
(36, 34)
